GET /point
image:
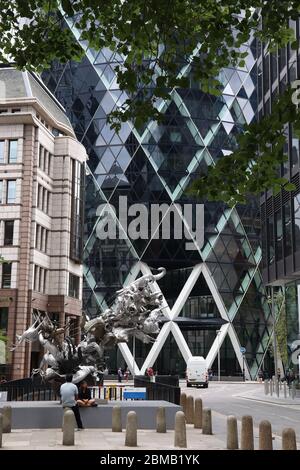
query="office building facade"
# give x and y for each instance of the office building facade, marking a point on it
(213, 293)
(41, 210)
(280, 214)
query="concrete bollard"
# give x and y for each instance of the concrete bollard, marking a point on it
(206, 421)
(180, 430)
(277, 388)
(247, 440)
(131, 429)
(1, 429)
(266, 385)
(289, 439)
(198, 414)
(271, 387)
(265, 436)
(183, 402)
(232, 433)
(190, 410)
(68, 428)
(161, 419)
(6, 419)
(116, 421)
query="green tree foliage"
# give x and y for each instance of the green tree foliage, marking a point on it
(160, 43)
(280, 328)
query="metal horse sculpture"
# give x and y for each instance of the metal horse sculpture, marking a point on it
(135, 313)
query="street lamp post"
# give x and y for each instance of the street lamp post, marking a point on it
(219, 362)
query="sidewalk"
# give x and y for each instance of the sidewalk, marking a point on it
(103, 439)
(259, 395)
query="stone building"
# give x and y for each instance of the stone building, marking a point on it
(41, 215)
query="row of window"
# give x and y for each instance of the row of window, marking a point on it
(43, 198)
(41, 238)
(8, 151)
(281, 232)
(45, 160)
(8, 191)
(40, 280)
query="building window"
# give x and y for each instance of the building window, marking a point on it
(271, 250)
(12, 151)
(11, 192)
(2, 146)
(74, 283)
(45, 274)
(287, 229)
(1, 191)
(37, 235)
(36, 278)
(297, 222)
(3, 320)
(8, 232)
(6, 275)
(76, 236)
(278, 227)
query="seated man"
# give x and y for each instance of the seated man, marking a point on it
(84, 395)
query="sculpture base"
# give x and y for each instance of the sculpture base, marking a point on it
(48, 414)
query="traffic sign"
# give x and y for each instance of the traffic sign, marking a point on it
(242, 349)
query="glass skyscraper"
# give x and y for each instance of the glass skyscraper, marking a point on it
(213, 294)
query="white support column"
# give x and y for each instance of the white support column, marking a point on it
(236, 346)
(214, 292)
(184, 294)
(128, 357)
(181, 342)
(156, 348)
(214, 348)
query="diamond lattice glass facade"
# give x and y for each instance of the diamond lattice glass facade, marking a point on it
(217, 287)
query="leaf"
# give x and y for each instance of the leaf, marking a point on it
(289, 187)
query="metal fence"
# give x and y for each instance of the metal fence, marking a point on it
(27, 390)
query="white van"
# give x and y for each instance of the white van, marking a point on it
(196, 372)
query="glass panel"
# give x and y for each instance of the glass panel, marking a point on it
(278, 225)
(8, 232)
(297, 222)
(1, 151)
(288, 229)
(13, 150)
(282, 58)
(295, 149)
(76, 242)
(266, 74)
(6, 275)
(271, 251)
(3, 320)
(273, 66)
(74, 282)
(11, 192)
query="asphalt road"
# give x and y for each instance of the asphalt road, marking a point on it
(223, 399)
